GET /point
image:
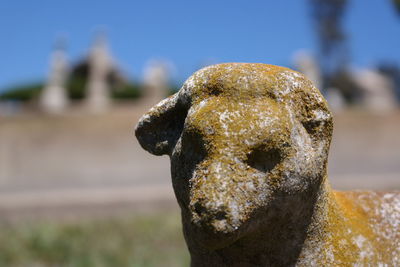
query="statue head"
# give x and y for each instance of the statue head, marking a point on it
(239, 136)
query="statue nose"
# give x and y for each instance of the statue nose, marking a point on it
(218, 214)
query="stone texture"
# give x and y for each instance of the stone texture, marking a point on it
(248, 145)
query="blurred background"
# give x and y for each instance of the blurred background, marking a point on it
(76, 189)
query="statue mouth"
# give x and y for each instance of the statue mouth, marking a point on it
(214, 234)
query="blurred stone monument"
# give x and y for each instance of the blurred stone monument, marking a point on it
(377, 90)
(335, 99)
(100, 65)
(307, 65)
(54, 97)
(155, 81)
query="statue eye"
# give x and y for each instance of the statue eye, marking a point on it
(311, 126)
(264, 159)
(193, 144)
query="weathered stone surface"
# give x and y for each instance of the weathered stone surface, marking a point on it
(248, 145)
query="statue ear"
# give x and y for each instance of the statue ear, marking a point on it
(160, 128)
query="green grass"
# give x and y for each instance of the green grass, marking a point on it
(136, 241)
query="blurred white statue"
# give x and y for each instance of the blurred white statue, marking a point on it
(54, 96)
(377, 90)
(100, 65)
(335, 99)
(306, 64)
(156, 80)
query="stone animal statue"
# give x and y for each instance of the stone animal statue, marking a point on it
(248, 145)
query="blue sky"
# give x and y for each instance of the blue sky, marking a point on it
(188, 33)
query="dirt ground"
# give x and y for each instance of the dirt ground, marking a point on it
(93, 163)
